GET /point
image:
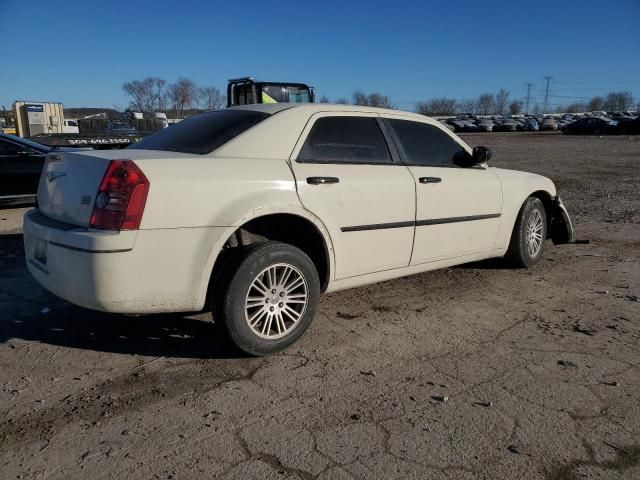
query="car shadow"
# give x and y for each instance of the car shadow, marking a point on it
(11, 244)
(489, 264)
(166, 335)
(29, 313)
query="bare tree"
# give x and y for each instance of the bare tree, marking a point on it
(360, 98)
(138, 90)
(467, 106)
(381, 101)
(515, 107)
(158, 94)
(576, 107)
(537, 109)
(182, 95)
(342, 101)
(324, 99)
(596, 103)
(618, 101)
(372, 100)
(486, 103)
(210, 98)
(147, 95)
(502, 97)
(437, 106)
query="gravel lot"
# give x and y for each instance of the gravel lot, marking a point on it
(466, 373)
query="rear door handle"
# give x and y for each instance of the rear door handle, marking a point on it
(322, 180)
(429, 179)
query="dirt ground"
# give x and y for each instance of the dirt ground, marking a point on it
(475, 372)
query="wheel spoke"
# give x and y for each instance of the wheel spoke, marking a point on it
(281, 325)
(271, 277)
(285, 276)
(260, 286)
(295, 315)
(255, 301)
(294, 284)
(256, 317)
(266, 327)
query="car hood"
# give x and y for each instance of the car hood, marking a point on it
(525, 180)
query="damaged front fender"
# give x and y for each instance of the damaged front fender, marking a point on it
(561, 227)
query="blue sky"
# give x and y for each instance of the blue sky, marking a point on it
(80, 52)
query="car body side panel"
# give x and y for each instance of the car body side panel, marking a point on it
(365, 196)
(516, 188)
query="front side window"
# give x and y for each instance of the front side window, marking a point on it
(345, 140)
(425, 144)
(202, 134)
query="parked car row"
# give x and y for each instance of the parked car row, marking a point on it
(595, 123)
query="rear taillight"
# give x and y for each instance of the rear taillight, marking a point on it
(120, 200)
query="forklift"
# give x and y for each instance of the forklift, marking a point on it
(246, 90)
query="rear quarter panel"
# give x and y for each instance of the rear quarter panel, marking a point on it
(218, 195)
(206, 191)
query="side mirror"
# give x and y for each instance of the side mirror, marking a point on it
(481, 155)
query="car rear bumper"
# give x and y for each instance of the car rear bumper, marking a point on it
(146, 271)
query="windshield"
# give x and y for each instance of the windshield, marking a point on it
(202, 134)
(299, 95)
(279, 93)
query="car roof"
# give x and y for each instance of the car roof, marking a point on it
(288, 125)
(321, 107)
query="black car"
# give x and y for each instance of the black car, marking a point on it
(592, 126)
(630, 127)
(21, 163)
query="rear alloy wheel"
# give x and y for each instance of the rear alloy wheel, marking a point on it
(270, 299)
(276, 301)
(529, 234)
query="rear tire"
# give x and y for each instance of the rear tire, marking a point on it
(529, 234)
(270, 298)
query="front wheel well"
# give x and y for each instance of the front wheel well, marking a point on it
(547, 202)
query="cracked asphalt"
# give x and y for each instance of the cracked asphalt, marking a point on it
(474, 372)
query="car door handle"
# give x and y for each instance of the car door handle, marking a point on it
(322, 180)
(429, 179)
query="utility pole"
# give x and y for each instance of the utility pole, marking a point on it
(529, 85)
(546, 95)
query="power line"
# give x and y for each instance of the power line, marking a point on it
(529, 85)
(546, 94)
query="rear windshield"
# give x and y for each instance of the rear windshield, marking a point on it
(202, 134)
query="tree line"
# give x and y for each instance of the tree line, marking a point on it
(154, 94)
(499, 103)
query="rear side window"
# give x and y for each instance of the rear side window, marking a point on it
(345, 140)
(425, 144)
(203, 133)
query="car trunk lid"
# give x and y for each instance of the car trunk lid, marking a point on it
(68, 186)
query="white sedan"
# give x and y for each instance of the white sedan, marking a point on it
(254, 211)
